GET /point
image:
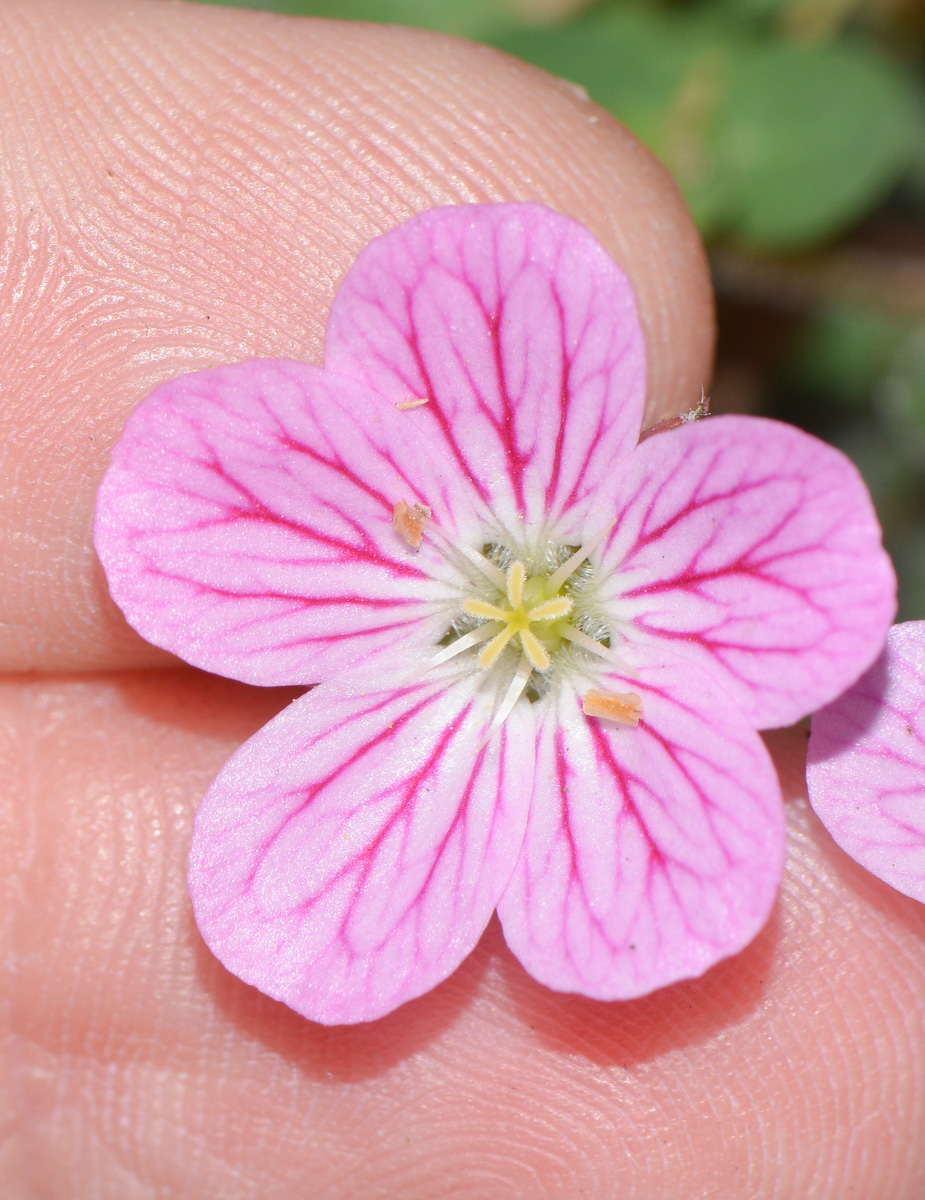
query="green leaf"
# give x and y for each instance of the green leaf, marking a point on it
(665, 78)
(846, 351)
(468, 18)
(815, 136)
(781, 145)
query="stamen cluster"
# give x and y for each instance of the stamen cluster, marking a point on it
(532, 610)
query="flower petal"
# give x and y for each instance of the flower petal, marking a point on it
(755, 548)
(349, 856)
(522, 334)
(651, 852)
(246, 524)
(865, 766)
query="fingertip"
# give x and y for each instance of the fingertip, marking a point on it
(192, 183)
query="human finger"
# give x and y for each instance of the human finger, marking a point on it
(185, 186)
(796, 1068)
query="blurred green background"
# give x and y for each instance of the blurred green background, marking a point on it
(796, 130)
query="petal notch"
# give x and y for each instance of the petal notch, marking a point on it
(522, 332)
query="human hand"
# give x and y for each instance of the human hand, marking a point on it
(183, 187)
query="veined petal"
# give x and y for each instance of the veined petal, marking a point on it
(522, 334)
(246, 524)
(865, 766)
(754, 547)
(349, 856)
(651, 852)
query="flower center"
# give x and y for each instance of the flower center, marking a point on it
(536, 613)
(516, 620)
(529, 610)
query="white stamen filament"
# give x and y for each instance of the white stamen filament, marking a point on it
(488, 568)
(511, 696)
(580, 638)
(482, 634)
(516, 577)
(572, 564)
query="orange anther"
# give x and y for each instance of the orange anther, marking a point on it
(625, 707)
(409, 521)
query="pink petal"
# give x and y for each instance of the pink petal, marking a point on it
(754, 548)
(509, 318)
(246, 524)
(650, 853)
(349, 856)
(865, 766)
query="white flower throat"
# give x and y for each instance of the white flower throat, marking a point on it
(540, 615)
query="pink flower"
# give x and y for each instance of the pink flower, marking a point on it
(451, 530)
(865, 766)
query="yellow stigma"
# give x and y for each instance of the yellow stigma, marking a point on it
(517, 619)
